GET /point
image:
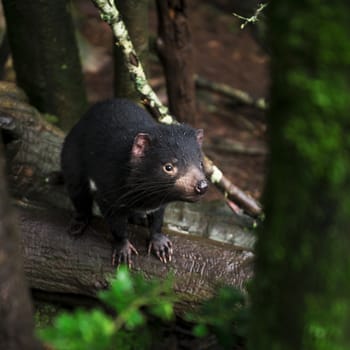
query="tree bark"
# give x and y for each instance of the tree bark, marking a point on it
(16, 314)
(301, 291)
(57, 262)
(32, 147)
(46, 57)
(135, 17)
(4, 54)
(176, 53)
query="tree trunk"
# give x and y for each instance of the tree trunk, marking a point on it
(301, 292)
(17, 325)
(135, 16)
(176, 53)
(46, 57)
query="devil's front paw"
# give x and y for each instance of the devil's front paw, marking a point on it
(162, 247)
(122, 253)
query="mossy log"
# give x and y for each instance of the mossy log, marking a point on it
(56, 262)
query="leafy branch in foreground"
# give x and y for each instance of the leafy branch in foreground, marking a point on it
(134, 302)
(132, 298)
(226, 315)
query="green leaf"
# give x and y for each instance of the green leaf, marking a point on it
(81, 330)
(225, 315)
(163, 310)
(121, 292)
(200, 330)
(134, 319)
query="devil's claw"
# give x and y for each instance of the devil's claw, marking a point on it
(161, 246)
(122, 254)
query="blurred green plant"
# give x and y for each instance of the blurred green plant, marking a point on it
(132, 298)
(134, 301)
(226, 315)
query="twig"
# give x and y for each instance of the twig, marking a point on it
(110, 14)
(231, 191)
(253, 18)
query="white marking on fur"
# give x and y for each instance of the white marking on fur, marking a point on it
(93, 187)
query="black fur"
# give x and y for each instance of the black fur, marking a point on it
(123, 151)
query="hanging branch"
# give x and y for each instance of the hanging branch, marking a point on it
(110, 14)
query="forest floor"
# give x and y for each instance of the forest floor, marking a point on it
(223, 54)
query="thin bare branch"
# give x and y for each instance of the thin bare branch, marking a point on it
(253, 18)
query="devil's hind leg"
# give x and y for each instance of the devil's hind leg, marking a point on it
(82, 199)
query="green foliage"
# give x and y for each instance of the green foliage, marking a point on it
(132, 299)
(226, 315)
(81, 330)
(128, 295)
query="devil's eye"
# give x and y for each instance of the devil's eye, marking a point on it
(168, 167)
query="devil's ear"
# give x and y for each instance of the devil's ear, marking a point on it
(140, 145)
(200, 135)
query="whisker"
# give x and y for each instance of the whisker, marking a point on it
(141, 190)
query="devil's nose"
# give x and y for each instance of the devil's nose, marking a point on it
(202, 187)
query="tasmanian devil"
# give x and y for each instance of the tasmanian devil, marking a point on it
(120, 157)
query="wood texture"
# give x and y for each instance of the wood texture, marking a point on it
(57, 262)
(16, 314)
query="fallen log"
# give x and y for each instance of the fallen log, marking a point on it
(57, 262)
